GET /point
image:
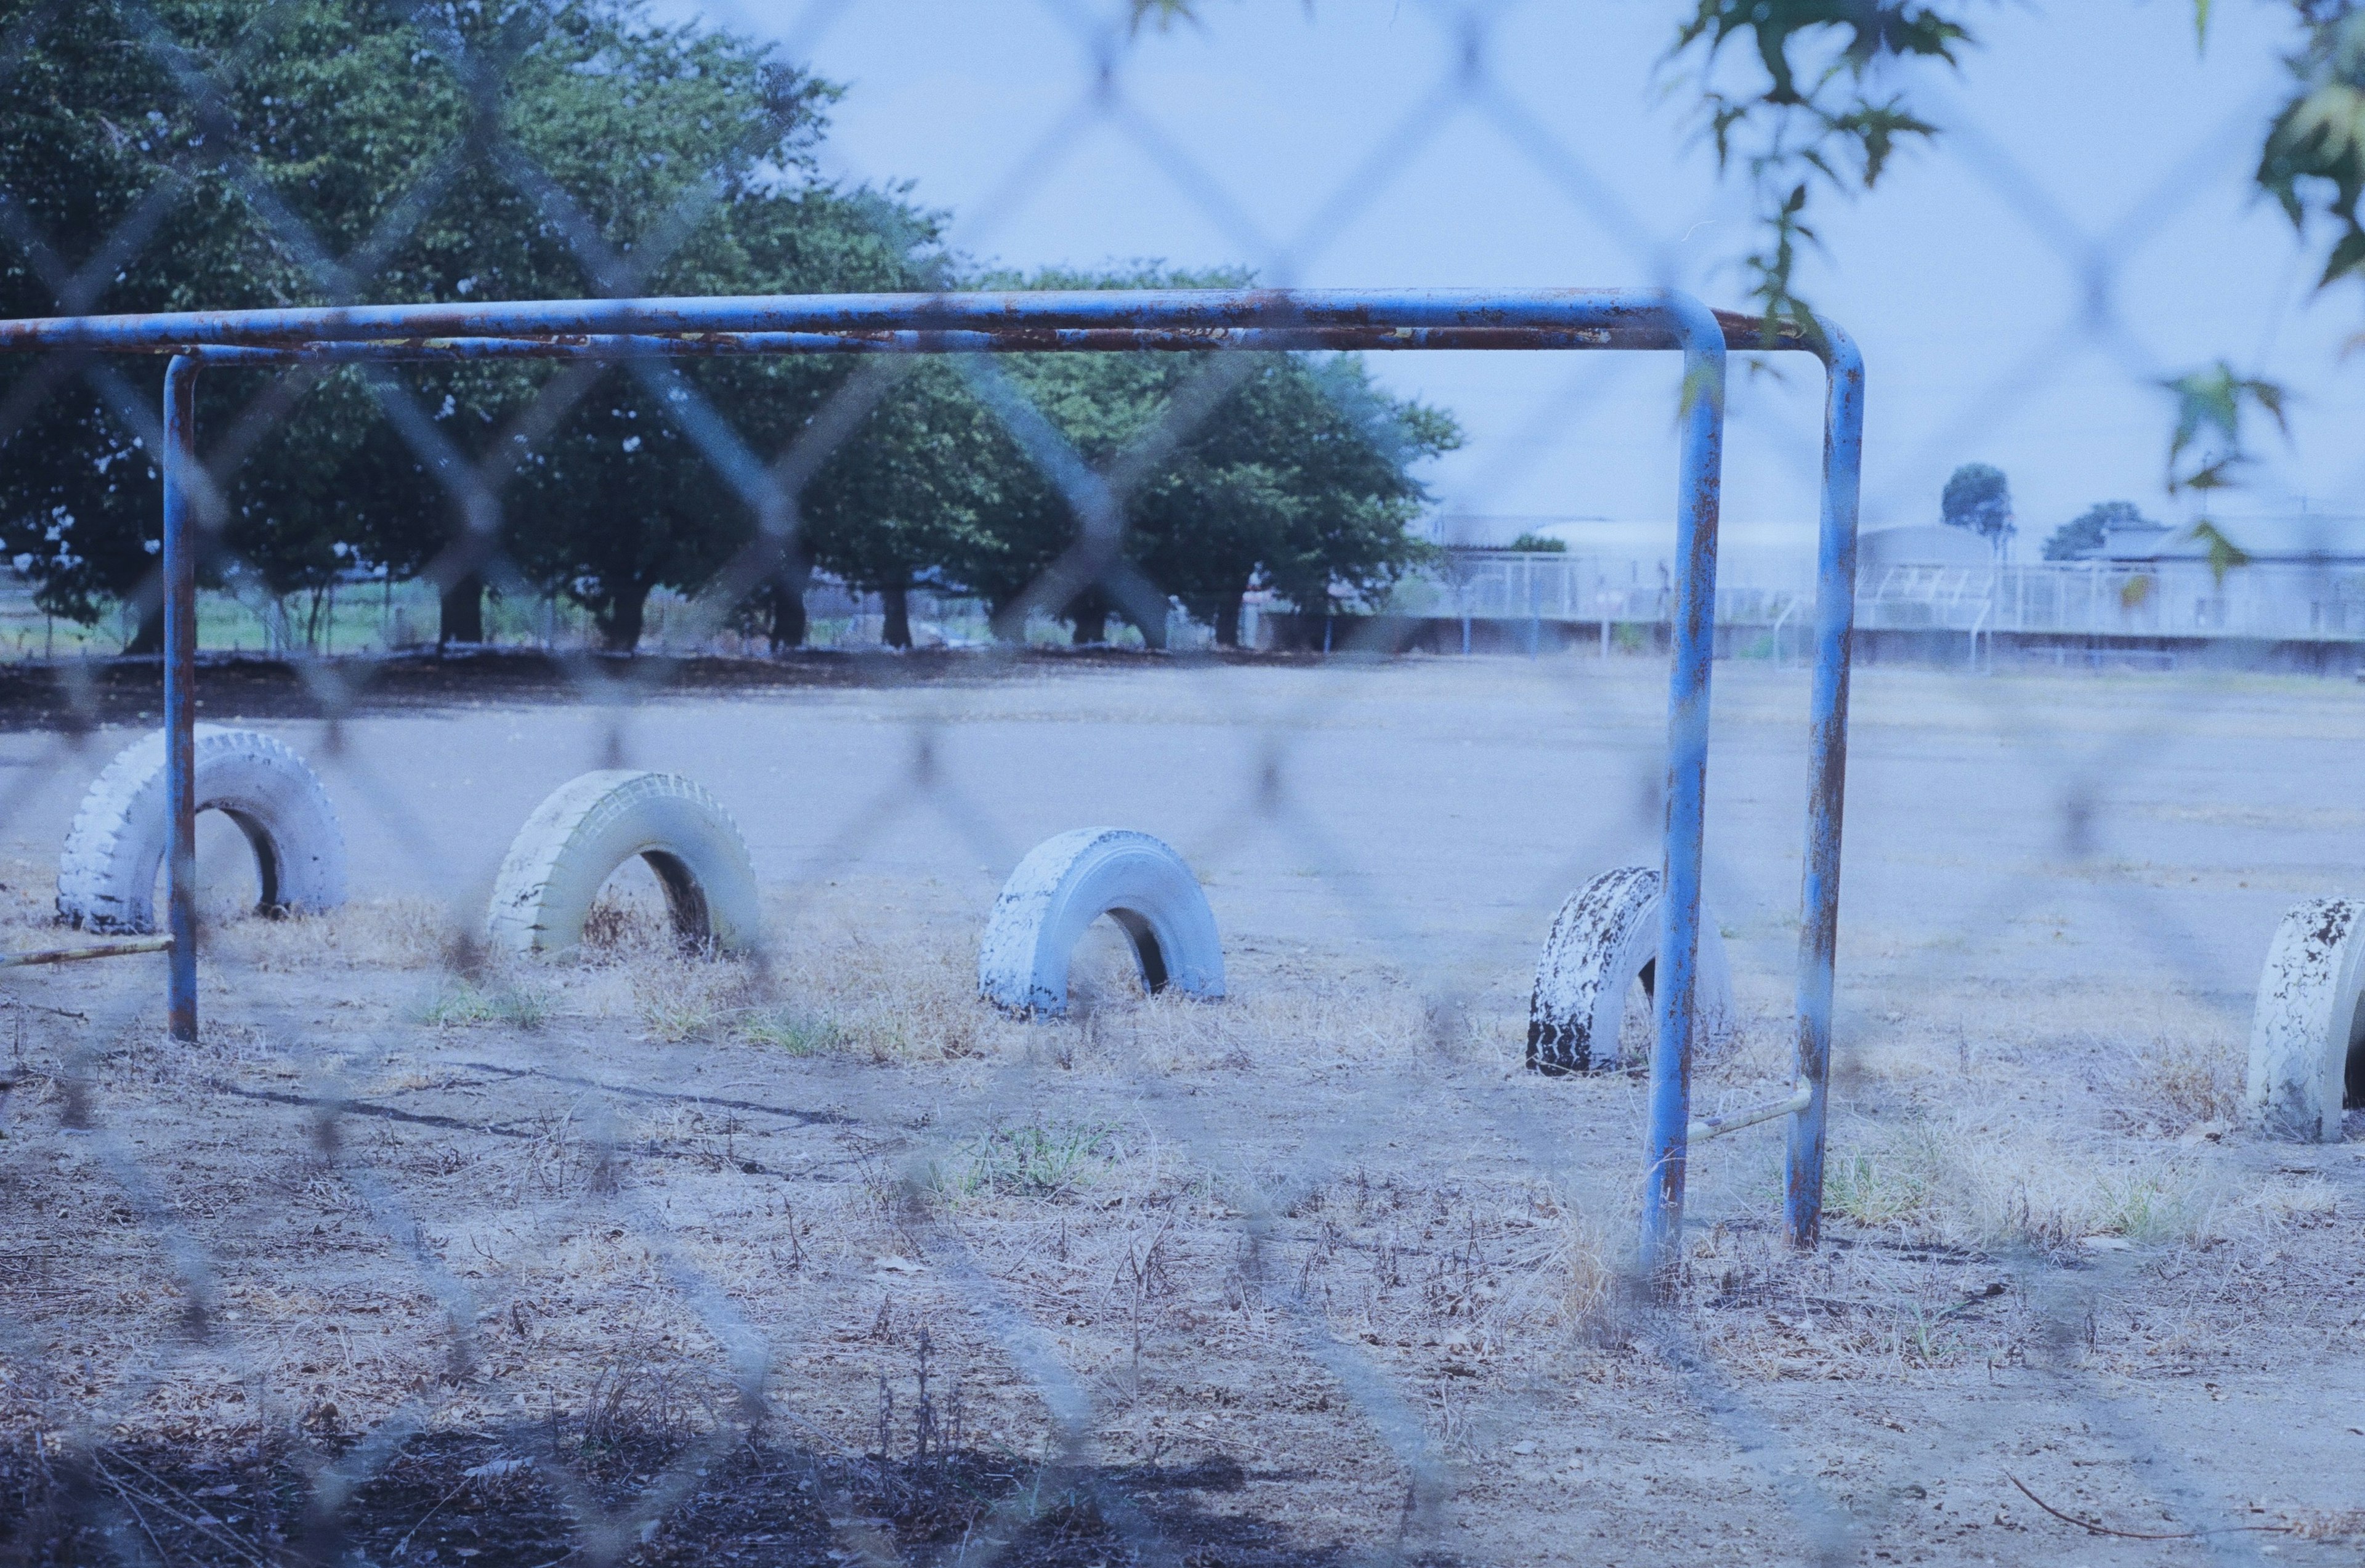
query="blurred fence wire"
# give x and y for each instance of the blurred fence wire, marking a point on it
(493, 1272)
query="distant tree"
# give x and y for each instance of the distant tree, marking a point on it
(1300, 480)
(2085, 534)
(1978, 498)
(312, 149)
(1540, 544)
(96, 144)
(1298, 477)
(900, 504)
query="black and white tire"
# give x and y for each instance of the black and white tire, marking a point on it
(589, 826)
(107, 878)
(2305, 1031)
(1604, 940)
(1066, 883)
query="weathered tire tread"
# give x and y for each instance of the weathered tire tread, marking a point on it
(106, 871)
(595, 822)
(1072, 879)
(1600, 942)
(2304, 1019)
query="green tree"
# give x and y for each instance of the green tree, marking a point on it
(446, 152)
(1978, 498)
(1301, 481)
(1227, 471)
(114, 200)
(1071, 433)
(895, 506)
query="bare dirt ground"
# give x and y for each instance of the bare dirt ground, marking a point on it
(420, 1258)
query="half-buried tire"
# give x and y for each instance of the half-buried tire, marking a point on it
(1604, 939)
(2307, 1037)
(588, 827)
(107, 878)
(1066, 883)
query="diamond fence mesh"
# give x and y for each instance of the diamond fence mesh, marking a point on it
(792, 1249)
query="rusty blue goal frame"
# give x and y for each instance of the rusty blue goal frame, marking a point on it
(1188, 320)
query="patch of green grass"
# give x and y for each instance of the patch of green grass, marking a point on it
(1894, 1183)
(1038, 1161)
(675, 1014)
(798, 1034)
(2147, 1205)
(1925, 1337)
(460, 1002)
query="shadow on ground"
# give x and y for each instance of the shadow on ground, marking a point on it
(491, 1502)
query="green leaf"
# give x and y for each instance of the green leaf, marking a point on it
(2210, 406)
(1163, 13)
(1795, 134)
(2225, 555)
(2347, 256)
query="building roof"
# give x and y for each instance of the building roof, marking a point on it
(1920, 544)
(2317, 537)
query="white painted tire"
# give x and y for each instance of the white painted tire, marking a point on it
(2305, 1024)
(592, 825)
(107, 878)
(1604, 939)
(1066, 883)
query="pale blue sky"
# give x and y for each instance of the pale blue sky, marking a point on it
(1297, 143)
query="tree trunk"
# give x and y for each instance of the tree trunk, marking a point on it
(148, 640)
(897, 602)
(1227, 619)
(463, 618)
(1091, 622)
(1008, 623)
(619, 629)
(789, 624)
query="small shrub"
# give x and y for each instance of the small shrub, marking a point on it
(460, 1002)
(640, 1396)
(1032, 1162)
(1896, 1182)
(616, 929)
(687, 998)
(797, 1033)
(2148, 1205)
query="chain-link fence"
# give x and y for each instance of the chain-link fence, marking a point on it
(706, 1211)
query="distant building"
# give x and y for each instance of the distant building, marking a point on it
(2307, 539)
(2135, 538)
(1920, 544)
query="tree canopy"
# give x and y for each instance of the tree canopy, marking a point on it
(1229, 471)
(448, 153)
(1977, 497)
(226, 153)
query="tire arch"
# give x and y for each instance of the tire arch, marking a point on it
(593, 823)
(1604, 940)
(1069, 880)
(107, 874)
(2304, 1028)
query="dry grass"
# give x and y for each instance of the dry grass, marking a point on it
(1983, 1178)
(366, 934)
(841, 1146)
(2189, 1080)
